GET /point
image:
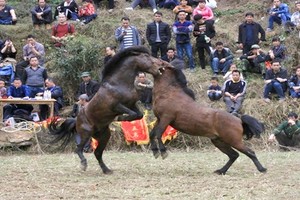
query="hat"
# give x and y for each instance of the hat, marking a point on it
(83, 97)
(255, 46)
(84, 74)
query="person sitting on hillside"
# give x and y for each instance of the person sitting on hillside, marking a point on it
(234, 92)
(288, 132)
(168, 4)
(110, 51)
(205, 11)
(277, 51)
(276, 81)
(254, 60)
(183, 5)
(143, 4)
(171, 55)
(228, 75)
(294, 84)
(221, 59)
(279, 13)
(8, 50)
(41, 15)
(3, 90)
(144, 86)
(294, 24)
(214, 91)
(69, 8)
(111, 5)
(7, 14)
(87, 12)
(62, 31)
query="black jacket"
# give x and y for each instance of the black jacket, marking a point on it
(256, 30)
(73, 7)
(90, 89)
(164, 32)
(57, 94)
(206, 29)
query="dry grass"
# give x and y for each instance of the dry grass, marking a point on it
(139, 176)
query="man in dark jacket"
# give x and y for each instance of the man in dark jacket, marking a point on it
(42, 14)
(69, 8)
(249, 33)
(57, 94)
(158, 34)
(221, 59)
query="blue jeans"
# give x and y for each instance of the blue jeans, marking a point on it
(279, 19)
(187, 47)
(35, 90)
(293, 93)
(274, 87)
(7, 21)
(223, 67)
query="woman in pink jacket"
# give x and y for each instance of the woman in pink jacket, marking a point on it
(203, 10)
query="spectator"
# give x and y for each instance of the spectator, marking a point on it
(62, 31)
(86, 12)
(8, 50)
(295, 20)
(204, 32)
(168, 4)
(158, 35)
(254, 60)
(276, 81)
(144, 86)
(7, 71)
(228, 75)
(277, 51)
(288, 132)
(42, 15)
(57, 94)
(221, 59)
(110, 51)
(294, 84)
(17, 90)
(214, 91)
(69, 8)
(3, 91)
(234, 91)
(127, 35)
(279, 14)
(88, 87)
(35, 76)
(205, 11)
(111, 5)
(143, 4)
(250, 33)
(182, 29)
(7, 14)
(183, 6)
(31, 49)
(170, 56)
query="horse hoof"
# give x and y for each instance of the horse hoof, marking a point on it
(108, 172)
(156, 155)
(219, 172)
(83, 167)
(164, 155)
(263, 170)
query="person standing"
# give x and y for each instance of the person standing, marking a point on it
(7, 14)
(42, 15)
(158, 34)
(182, 29)
(250, 33)
(127, 35)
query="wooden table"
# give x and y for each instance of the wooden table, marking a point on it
(49, 102)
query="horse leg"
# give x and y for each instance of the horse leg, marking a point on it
(251, 154)
(231, 153)
(79, 151)
(132, 114)
(102, 138)
(157, 132)
(153, 144)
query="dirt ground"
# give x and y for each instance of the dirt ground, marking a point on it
(183, 175)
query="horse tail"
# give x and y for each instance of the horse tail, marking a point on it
(252, 126)
(63, 132)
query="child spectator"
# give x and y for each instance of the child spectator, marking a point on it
(294, 84)
(279, 14)
(2, 89)
(86, 12)
(42, 14)
(183, 6)
(7, 14)
(214, 91)
(228, 75)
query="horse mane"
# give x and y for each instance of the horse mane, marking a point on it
(112, 64)
(180, 77)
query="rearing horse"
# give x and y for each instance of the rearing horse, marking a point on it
(174, 104)
(116, 97)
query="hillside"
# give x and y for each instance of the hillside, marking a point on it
(99, 34)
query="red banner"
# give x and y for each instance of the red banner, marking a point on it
(135, 131)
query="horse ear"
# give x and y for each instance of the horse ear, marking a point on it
(178, 64)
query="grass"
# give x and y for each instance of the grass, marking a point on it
(183, 175)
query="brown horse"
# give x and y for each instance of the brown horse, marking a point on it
(116, 97)
(174, 104)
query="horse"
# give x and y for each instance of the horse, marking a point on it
(174, 104)
(115, 99)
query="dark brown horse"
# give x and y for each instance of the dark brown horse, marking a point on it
(174, 104)
(116, 97)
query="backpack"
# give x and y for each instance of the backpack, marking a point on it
(56, 26)
(7, 73)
